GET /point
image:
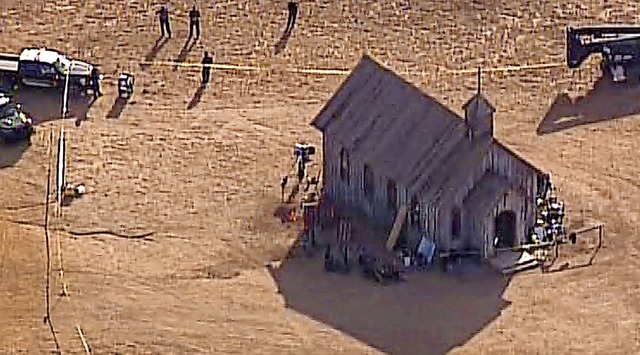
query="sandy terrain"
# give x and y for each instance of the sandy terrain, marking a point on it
(199, 169)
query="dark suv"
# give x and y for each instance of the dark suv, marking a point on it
(15, 125)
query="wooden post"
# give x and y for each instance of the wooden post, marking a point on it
(599, 245)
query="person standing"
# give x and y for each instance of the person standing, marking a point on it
(163, 16)
(293, 15)
(95, 83)
(207, 60)
(283, 185)
(194, 22)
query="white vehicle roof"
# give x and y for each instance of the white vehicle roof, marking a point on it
(4, 100)
(42, 55)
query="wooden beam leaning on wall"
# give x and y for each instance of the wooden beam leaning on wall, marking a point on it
(397, 227)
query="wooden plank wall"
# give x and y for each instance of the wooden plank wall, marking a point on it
(437, 218)
(511, 167)
(352, 194)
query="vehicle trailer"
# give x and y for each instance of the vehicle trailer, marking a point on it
(41, 67)
(619, 47)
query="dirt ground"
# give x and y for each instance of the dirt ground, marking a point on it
(199, 170)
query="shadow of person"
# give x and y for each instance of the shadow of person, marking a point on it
(184, 52)
(153, 53)
(117, 107)
(197, 96)
(605, 101)
(282, 42)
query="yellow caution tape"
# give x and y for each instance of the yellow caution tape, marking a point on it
(507, 68)
(320, 71)
(248, 68)
(213, 66)
(539, 66)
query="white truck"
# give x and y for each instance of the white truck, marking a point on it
(41, 67)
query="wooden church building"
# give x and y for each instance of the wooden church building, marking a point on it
(388, 147)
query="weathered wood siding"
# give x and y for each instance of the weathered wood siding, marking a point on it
(376, 205)
(329, 183)
(480, 228)
(478, 232)
(435, 218)
(506, 164)
(327, 178)
(524, 177)
(350, 192)
(512, 201)
(341, 191)
(428, 221)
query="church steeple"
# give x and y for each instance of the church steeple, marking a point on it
(478, 112)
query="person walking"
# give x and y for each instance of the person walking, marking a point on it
(163, 16)
(206, 69)
(293, 15)
(194, 22)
